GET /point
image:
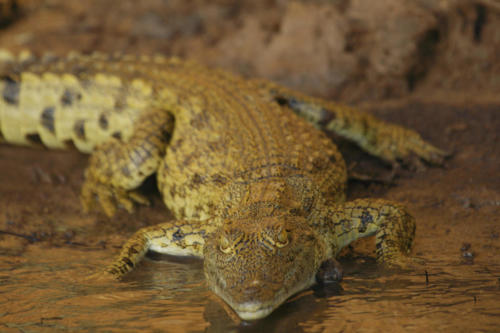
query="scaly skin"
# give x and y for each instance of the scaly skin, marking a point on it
(257, 191)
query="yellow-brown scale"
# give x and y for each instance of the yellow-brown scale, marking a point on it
(257, 191)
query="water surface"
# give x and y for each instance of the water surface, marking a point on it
(45, 289)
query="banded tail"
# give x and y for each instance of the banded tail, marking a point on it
(77, 100)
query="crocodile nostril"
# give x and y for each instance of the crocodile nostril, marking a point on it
(253, 288)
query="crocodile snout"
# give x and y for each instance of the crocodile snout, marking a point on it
(256, 267)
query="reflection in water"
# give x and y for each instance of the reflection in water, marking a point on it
(46, 289)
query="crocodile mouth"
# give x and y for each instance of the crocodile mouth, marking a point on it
(251, 310)
(254, 310)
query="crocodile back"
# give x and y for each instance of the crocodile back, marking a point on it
(232, 145)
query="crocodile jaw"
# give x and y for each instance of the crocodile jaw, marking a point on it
(255, 310)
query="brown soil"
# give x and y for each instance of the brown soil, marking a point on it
(430, 65)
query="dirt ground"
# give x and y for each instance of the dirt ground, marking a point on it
(433, 66)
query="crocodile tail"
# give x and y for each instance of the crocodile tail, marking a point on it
(76, 101)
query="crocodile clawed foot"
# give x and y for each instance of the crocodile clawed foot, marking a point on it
(414, 151)
(109, 198)
(402, 146)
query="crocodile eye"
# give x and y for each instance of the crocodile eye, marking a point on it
(224, 245)
(282, 240)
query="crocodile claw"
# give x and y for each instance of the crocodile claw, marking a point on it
(401, 146)
(416, 150)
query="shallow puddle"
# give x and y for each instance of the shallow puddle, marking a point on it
(46, 289)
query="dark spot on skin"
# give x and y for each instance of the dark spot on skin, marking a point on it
(34, 139)
(132, 251)
(281, 100)
(288, 101)
(68, 97)
(165, 135)
(178, 235)
(366, 218)
(47, 118)
(326, 117)
(197, 179)
(126, 171)
(176, 145)
(219, 179)
(11, 91)
(128, 262)
(172, 191)
(69, 144)
(326, 221)
(319, 163)
(332, 159)
(117, 135)
(79, 129)
(103, 122)
(119, 105)
(187, 161)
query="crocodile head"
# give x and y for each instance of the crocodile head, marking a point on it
(255, 266)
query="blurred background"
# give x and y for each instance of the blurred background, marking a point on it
(350, 50)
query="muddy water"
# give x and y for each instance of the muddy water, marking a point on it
(43, 291)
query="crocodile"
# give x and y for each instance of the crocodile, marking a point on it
(255, 184)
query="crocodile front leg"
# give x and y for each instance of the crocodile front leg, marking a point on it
(180, 238)
(392, 225)
(392, 143)
(116, 168)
